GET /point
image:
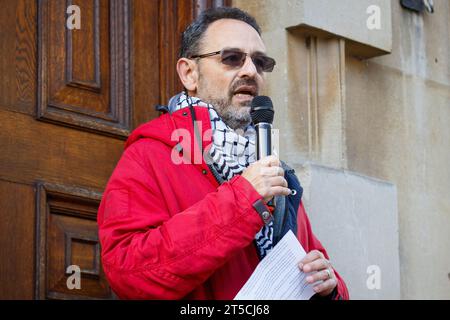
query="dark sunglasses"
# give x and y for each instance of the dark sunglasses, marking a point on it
(236, 59)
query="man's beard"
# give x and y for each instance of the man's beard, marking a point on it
(236, 117)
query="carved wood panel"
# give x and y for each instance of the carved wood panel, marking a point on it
(83, 77)
(67, 238)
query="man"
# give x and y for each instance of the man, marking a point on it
(175, 225)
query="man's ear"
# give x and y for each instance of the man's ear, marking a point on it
(188, 72)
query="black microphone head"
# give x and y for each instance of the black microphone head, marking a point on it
(261, 110)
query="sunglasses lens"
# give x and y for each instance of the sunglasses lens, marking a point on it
(233, 58)
(236, 59)
(264, 63)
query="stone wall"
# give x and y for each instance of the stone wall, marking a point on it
(368, 105)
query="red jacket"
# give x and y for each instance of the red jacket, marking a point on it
(169, 231)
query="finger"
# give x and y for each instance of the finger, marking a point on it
(279, 191)
(316, 265)
(272, 171)
(320, 275)
(310, 257)
(280, 171)
(278, 181)
(270, 161)
(326, 286)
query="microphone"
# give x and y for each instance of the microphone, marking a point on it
(261, 112)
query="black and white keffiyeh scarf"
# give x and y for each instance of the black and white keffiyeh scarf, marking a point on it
(229, 154)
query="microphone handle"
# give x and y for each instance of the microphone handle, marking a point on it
(264, 146)
(263, 140)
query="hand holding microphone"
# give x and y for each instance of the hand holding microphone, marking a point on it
(266, 175)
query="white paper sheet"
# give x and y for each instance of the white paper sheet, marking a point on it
(277, 276)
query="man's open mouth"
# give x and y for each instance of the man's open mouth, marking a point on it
(245, 92)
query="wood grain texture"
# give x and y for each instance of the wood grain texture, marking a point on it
(18, 55)
(84, 70)
(145, 61)
(17, 240)
(84, 73)
(67, 236)
(174, 16)
(34, 150)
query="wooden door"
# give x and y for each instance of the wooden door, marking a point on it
(68, 100)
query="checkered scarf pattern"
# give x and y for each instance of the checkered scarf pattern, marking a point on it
(229, 154)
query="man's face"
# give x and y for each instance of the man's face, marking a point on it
(230, 89)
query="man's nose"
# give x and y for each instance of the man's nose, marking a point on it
(248, 69)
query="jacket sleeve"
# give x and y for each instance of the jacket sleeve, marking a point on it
(147, 254)
(310, 242)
